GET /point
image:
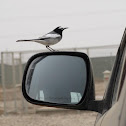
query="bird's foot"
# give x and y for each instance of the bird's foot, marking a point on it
(50, 49)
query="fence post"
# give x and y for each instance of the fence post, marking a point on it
(24, 103)
(88, 51)
(3, 82)
(75, 49)
(14, 81)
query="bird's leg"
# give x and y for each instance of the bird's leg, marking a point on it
(52, 49)
(49, 48)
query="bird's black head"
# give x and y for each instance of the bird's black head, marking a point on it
(59, 30)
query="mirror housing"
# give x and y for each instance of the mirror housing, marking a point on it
(80, 97)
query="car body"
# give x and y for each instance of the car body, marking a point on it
(111, 109)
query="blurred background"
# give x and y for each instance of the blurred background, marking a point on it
(95, 28)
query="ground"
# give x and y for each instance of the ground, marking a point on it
(56, 119)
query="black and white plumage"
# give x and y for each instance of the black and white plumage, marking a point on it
(50, 38)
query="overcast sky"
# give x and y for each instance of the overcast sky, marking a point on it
(90, 22)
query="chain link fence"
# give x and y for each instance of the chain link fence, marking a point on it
(13, 64)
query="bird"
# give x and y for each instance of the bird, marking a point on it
(48, 39)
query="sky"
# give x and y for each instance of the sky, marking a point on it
(90, 22)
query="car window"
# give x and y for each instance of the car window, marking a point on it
(120, 77)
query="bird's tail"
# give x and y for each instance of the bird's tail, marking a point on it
(22, 40)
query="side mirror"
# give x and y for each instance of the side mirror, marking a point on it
(60, 79)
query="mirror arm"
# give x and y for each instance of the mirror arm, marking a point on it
(95, 105)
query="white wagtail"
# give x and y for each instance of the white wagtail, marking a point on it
(48, 39)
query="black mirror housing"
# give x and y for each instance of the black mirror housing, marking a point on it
(61, 79)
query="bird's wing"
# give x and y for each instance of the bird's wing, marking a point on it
(48, 36)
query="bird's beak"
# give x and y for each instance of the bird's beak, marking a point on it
(65, 28)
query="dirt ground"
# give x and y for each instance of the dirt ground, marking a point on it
(55, 119)
(43, 116)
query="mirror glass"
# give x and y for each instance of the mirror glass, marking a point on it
(57, 79)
